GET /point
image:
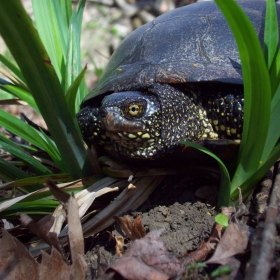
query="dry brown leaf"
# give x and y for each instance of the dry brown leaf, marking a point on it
(42, 230)
(76, 238)
(149, 259)
(132, 229)
(53, 267)
(17, 263)
(15, 260)
(228, 211)
(234, 241)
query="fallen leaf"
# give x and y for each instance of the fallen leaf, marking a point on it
(234, 241)
(42, 230)
(15, 260)
(17, 263)
(149, 259)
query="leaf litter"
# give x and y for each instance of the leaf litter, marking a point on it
(17, 263)
(148, 256)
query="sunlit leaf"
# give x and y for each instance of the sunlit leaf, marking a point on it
(256, 92)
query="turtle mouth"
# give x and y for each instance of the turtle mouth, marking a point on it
(135, 144)
(113, 121)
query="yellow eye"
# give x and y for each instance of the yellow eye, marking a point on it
(134, 109)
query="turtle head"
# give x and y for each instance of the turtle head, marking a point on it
(132, 121)
(144, 121)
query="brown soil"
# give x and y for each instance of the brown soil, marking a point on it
(187, 221)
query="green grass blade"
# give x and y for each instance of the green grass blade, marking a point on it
(15, 70)
(33, 164)
(73, 66)
(224, 190)
(40, 207)
(21, 94)
(257, 176)
(66, 10)
(53, 152)
(256, 90)
(274, 73)
(273, 130)
(8, 172)
(28, 133)
(26, 47)
(62, 177)
(52, 28)
(72, 92)
(271, 35)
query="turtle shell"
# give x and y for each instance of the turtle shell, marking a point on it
(189, 44)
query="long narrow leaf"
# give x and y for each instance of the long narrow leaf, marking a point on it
(72, 92)
(29, 161)
(12, 67)
(66, 10)
(73, 66)
(256, 90)
(8, 172)
(274, 73)
(40, 207)
(256, 177)
(21, 94)
(271, 35)
(224, 191)
(273, 130)
(28, 133)
(62, 177)
(26, 47)
(52, 28)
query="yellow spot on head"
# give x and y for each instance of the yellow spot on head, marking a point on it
(146, 135)
(195, 64)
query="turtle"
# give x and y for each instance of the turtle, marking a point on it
(176, 78)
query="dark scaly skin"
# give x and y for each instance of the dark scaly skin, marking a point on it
(148, 121)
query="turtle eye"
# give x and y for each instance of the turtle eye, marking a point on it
(134, 109)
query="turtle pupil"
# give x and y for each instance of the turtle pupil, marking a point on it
(134, 109)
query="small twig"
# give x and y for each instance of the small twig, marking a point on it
(264, 241)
